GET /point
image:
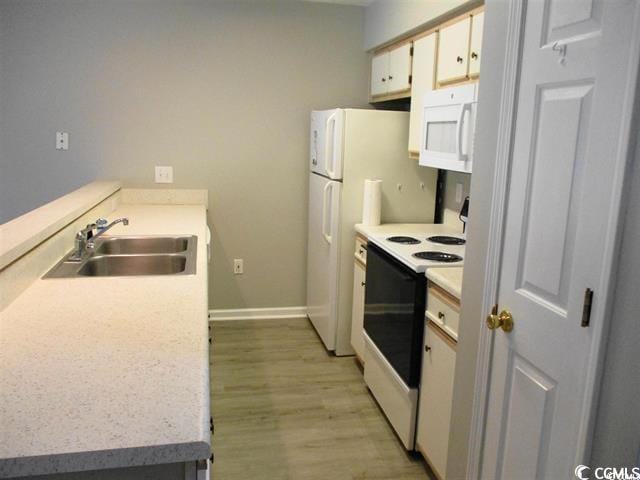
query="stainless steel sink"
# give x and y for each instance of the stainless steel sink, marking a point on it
(126, 265)
(132, 256)
(141, 245)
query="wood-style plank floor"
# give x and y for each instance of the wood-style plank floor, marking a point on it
(285, 409)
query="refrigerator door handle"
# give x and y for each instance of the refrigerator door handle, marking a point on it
(330, 159)
(326, 215)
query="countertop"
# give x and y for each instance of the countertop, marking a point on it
(450, 279)
(106, 372)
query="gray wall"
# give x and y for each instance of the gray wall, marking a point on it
(617, 433)
(220, 90)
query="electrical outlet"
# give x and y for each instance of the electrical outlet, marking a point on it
(62, 141)
(164, 174)
(238, 266)
(458, 193)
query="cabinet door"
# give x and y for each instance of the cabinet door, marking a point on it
(399, 68)
(436, 393)
(379, 73)
(475, 45)
(453, 51)
(357, 312)
(424, 63)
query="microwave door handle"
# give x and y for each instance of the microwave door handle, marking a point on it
(325, 197)
(463, 108)
(330, 171)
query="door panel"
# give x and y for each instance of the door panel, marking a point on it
(399, 68)
(561, 195)
(554, 188)
(379, 73)
(453, 51)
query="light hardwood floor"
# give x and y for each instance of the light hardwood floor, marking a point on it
(285, 409)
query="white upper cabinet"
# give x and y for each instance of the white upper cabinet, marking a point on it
(453, 52)
(475, 45)
(379, 73)
(391, 71)
(400, 68)
(424, 58)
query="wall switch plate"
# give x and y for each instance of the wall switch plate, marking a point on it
(458, 193)
(62, 141)
(238, 266)
(164, 174)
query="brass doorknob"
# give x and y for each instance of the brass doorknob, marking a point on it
(504, 321)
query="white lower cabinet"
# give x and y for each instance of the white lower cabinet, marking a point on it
(357, 313)
(436, 392)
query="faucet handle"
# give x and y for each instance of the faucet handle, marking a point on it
(101, 223)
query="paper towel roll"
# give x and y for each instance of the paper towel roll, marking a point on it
(372, 202)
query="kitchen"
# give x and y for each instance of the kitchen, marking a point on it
(216, 91)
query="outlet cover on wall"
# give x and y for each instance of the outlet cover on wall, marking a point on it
(238, 266)
(62, 141)
(164, 174)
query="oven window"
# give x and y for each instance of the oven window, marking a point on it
(441, 136)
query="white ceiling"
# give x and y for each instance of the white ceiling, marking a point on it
(362, 3)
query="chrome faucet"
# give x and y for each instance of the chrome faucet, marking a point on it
(85, 238)
(91, 242)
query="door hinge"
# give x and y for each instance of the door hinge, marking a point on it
(410, 79)
(411, 51)
(586, 307)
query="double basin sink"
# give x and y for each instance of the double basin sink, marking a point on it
(131, 256)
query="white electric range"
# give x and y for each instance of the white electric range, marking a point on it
(433, 246)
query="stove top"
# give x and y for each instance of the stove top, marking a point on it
(447, 240)
(404, 240)
(431, 246)
(438, 256)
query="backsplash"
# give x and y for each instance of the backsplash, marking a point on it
(451, 207)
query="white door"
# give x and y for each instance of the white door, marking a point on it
(475, 45)
(453, 51)
(399, 68)
(424, 62)
(379, 74)
(322, 256)
(560, 198)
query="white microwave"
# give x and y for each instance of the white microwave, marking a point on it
(448, 127)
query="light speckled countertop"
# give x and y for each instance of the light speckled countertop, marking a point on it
(448, 278)
(108, 372)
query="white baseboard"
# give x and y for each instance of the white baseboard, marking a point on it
(257, 313)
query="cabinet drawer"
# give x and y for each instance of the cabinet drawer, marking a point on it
(361, 249)
(443, 309)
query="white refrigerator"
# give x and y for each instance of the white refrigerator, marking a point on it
(348, 146)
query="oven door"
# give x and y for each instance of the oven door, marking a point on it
(394, 313)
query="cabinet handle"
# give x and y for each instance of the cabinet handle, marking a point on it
(459, 60)
(474, 55)
(362, 284)
(390, 77)
(427, 348)
(384, 79)
(441, 315)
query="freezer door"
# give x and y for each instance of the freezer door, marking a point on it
(325, 143)
(322, 257)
